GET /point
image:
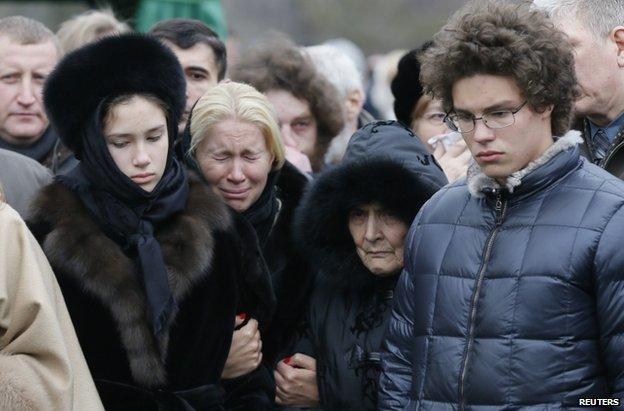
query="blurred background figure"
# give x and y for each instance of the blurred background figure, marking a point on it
(210, 12)
(201, 54)
(89, 26)
(337, 67)
(425, 116)
(308, 107)
(358, 57)
(383, 69)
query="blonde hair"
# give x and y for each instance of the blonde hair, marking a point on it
(240, 102)
(88, 27)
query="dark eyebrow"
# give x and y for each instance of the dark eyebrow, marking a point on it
(157, 128)
(199, 69)
(118, 135)
(504, 105)
(303, 118)
(124, 135)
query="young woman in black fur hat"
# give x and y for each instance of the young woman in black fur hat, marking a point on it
(152, 264)
(351, 224)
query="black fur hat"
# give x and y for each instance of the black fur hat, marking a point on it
(116, 65)
(406, 86)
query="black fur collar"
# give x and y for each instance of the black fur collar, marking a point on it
(77, 248)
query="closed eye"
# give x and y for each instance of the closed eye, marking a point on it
(119, 144)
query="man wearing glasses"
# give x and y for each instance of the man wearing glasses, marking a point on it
(513, 291)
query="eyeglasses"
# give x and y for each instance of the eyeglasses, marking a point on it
(465, 123)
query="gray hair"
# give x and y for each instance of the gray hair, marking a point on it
(336, 67)
(600, 17)
(89, 26)
(24, 30)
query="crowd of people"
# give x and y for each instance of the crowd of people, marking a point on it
(177, 234)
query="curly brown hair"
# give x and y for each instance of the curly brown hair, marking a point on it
(505, 39)
(278, 64)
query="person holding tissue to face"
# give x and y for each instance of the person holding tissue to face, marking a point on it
(425, 116)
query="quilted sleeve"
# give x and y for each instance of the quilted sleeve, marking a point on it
(609, 283)
(396, 369)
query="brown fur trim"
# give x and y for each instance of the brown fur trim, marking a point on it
(77, 247)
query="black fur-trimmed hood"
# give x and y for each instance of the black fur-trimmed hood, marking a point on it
(124, 64)
(321, 228)
(386, 164)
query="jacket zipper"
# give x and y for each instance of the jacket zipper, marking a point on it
(500, 209)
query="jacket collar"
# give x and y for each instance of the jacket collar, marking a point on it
(560, 158)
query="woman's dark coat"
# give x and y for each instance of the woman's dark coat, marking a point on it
(350, 307)
(214, 273)
(290, 274)
(291, 278)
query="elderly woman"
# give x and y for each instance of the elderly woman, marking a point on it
(150, 261)
(352, 225)
(235, 143)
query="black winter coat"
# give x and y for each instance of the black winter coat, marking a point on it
(613, 160)
(346, 331)
(387, 165)
(291, 276)
(210, 262)
(512, 298)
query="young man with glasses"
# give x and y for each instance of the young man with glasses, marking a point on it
(512, 295)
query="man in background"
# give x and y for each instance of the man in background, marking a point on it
(596, 31)
(28, 53)
(200, 52)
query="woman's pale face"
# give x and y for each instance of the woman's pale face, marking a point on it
(234, 158)
(431, 122)
(379, 237)
(137, 140)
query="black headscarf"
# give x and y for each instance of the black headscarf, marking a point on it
(127, 213)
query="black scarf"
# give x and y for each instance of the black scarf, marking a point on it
(38, 150)
(262, 214)
(127, 214)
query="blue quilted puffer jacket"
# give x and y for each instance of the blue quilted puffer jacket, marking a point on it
(512, 297)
